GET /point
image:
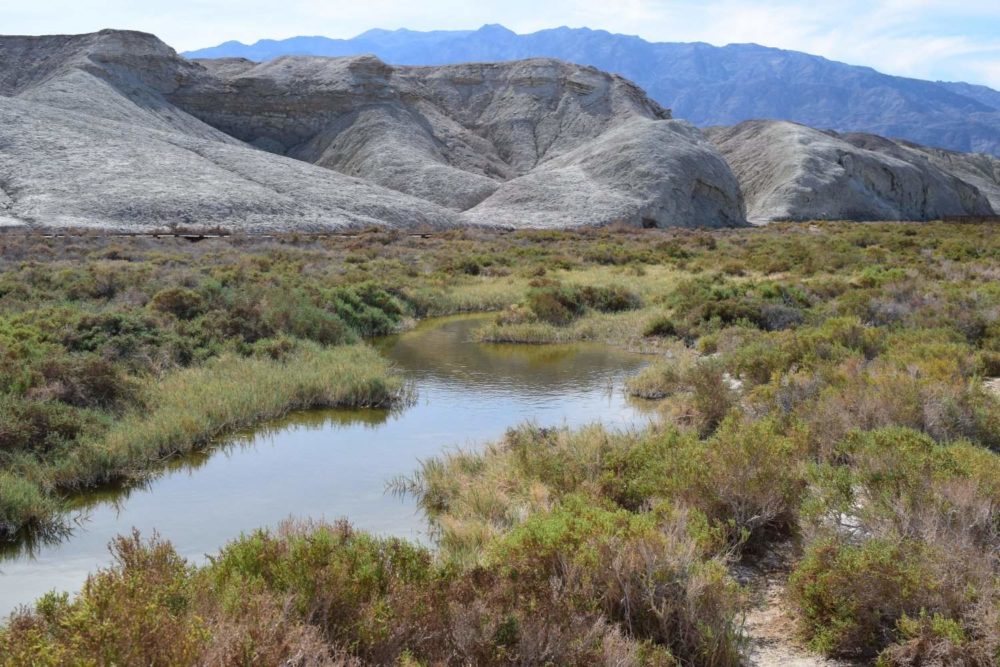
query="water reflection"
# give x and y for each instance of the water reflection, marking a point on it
(335, 463)
(28, 543)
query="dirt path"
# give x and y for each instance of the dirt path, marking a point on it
(770, 623)
(772, 632)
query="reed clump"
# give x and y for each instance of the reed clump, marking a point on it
(825, 391)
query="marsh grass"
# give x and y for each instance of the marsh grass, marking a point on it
(821, 384)
(608, 304)
(193, 407)
(618, 329)
(465, 295)
(23, 503)
(665, 377)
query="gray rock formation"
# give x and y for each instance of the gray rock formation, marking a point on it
(87, 138)
(623, 175)
(791, 172)
(114, 129)
(705, 84)
(115, 75)
(978, 169)
(529, 143)
(69, 169)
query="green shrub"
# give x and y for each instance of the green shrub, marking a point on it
(712, 397)
(180, 302)
(86, 381)
(661, 327)
(648, 579)
(750, 481)
(554, 305)
(367, 309)
(609, 299)
(932, 638)
(851, 597)
(43, 428)
(656, 467)
(336, 578)
(561, 304)
(121, 335)
(139, 611)
(295, 315)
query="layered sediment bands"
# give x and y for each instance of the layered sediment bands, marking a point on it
(76, 170)
(977, 169)
(115, 130)
(792, 172)
(304, 143)
(623, 174)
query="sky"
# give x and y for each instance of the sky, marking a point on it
(953, 40)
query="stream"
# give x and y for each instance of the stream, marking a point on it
(329, 464)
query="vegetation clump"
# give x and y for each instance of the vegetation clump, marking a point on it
(561, 304)
(825, 388)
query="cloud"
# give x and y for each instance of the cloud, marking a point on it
(934, 39)
(921, 38)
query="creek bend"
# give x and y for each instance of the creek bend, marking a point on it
(331, 464)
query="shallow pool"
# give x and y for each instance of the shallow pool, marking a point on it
(336, 463)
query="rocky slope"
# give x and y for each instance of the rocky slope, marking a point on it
(516, 144)
(792, 172)
(114, 129)
(69, 169)
(978, 169)
(88, 138)
(705, 84)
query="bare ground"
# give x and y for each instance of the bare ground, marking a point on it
(993, 385)
(770, 622)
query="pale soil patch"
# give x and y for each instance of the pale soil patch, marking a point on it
(770, 622)
(993, 385)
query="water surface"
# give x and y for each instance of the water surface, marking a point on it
(335, 463)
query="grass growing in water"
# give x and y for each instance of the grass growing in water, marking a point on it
(192, 407)
(821, 385)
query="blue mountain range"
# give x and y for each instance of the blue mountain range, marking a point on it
(707, 85)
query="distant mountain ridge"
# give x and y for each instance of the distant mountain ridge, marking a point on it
(707, 85)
